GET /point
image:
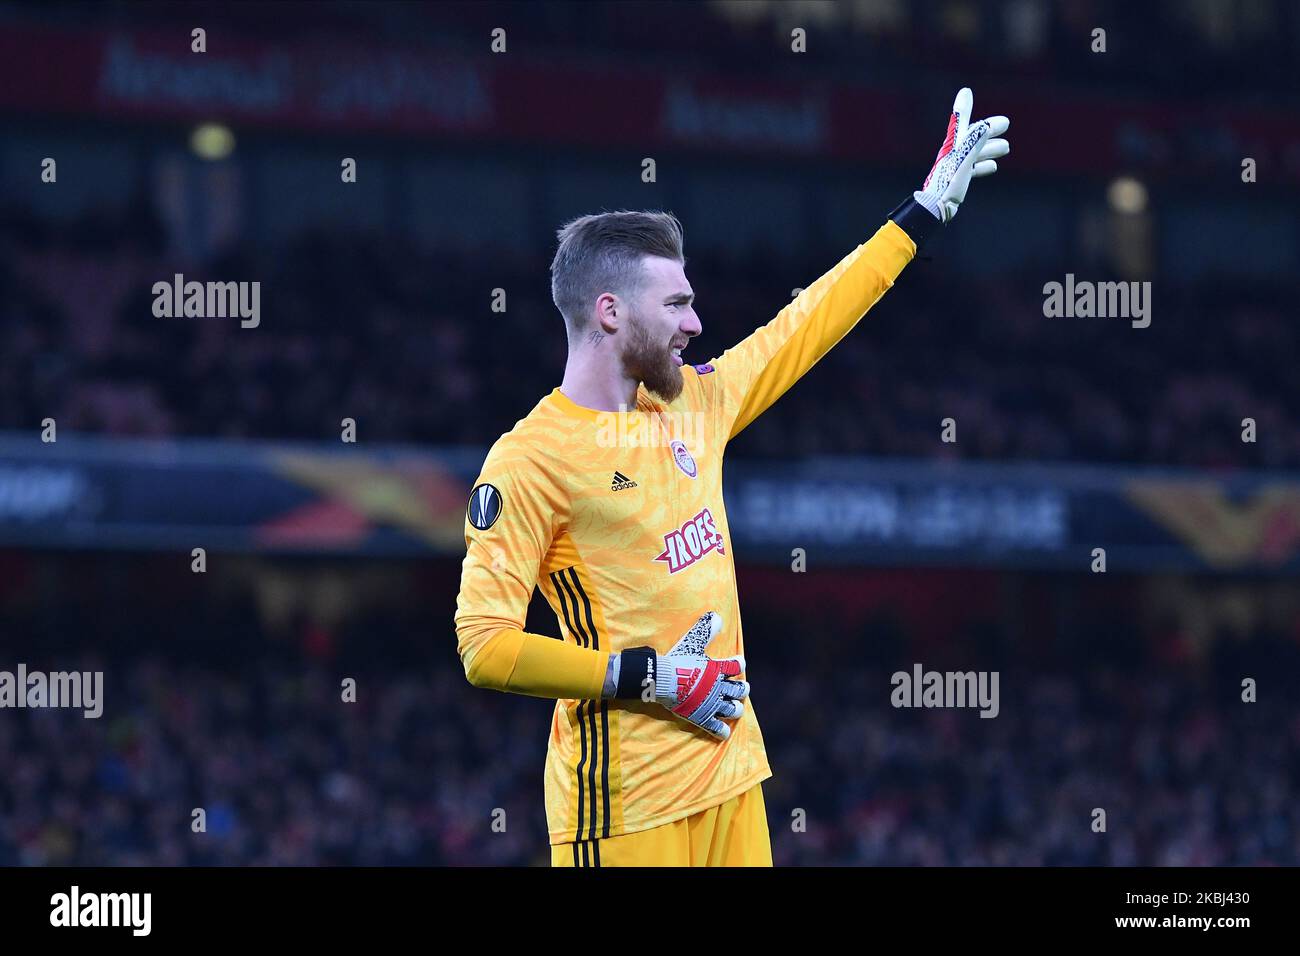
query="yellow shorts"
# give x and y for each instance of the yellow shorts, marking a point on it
(731, 834)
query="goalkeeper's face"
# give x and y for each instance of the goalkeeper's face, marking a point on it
(661, 323)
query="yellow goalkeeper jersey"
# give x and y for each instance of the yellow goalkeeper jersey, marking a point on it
(618, 518)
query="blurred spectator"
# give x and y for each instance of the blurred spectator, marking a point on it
(371, 328)
(209, 705)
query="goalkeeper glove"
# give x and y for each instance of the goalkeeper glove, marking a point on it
(968, 150)
(696, 688)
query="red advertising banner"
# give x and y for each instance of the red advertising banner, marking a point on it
(311, 86)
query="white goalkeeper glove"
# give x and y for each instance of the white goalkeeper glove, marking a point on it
(696, 688)
(968, 150)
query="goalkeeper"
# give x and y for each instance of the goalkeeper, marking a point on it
(655, 755)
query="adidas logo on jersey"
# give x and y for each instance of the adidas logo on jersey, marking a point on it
(621, 482)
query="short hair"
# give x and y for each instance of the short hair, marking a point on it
(603, 252)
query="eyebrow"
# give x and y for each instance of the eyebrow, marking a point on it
(680, 297)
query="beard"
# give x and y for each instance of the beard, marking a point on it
(651, 363)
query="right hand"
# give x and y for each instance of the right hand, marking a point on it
(695, 687)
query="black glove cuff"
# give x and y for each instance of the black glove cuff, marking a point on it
(634, 665)
(915, 220)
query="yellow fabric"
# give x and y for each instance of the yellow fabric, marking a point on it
(521, 663)
(733, 833)
(627, 538)
(776, 357)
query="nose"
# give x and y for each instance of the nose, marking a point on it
(691, 324)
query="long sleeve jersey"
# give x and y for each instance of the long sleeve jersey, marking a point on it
(618, 518)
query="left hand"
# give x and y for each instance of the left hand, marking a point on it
(969, 150)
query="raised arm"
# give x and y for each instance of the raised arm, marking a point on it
(753, 374)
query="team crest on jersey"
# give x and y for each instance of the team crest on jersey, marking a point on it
(484, 506)
(692, 541)
(704, 369)
(683, 458)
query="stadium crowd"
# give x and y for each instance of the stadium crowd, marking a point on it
(209, 704)
(404, 341)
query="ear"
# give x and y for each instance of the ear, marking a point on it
(611, 311)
